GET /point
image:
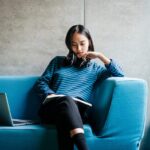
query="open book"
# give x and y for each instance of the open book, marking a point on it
(79, 101)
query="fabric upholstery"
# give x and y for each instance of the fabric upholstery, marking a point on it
(117, 118)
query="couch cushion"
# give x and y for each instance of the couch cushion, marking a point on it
(41, 137)
(21, 95)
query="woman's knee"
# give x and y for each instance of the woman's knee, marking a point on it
(69, 100)
(69, 105)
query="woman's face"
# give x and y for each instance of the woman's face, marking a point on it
(79, 44)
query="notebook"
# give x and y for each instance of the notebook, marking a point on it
(5, 114)
(77, 100)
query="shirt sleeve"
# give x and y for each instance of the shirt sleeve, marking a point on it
(42, 85)
(110, 70)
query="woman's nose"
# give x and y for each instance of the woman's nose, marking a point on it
(79, 48)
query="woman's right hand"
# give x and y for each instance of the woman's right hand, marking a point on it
(51, 94)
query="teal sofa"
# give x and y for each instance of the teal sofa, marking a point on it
(117, 118)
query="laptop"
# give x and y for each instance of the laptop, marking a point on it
(5, 114)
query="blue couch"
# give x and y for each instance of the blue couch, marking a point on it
(117, 118)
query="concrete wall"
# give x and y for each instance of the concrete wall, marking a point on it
(33, 31)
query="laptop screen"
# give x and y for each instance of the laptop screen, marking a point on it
(5, 115)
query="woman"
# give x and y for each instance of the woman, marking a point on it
(72, 76)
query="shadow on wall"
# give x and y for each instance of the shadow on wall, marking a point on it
(145, 145)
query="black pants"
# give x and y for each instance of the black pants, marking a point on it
(66, 114)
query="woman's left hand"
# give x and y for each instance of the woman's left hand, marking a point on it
(91, 55)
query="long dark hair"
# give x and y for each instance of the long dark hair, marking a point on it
(78, 29)
(71, 58)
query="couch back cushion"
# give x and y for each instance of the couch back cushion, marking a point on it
(23, 100)
(101, 100)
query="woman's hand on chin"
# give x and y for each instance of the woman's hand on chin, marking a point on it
(99, 55)
(91, 55)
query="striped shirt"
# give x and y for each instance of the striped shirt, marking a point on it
(73, 81)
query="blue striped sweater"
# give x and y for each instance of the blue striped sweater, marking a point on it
(73, 81)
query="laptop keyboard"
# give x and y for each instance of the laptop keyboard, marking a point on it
(19, 121)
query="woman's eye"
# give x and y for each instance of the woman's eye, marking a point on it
(74, 45)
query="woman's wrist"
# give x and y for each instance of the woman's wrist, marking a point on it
(104, 59)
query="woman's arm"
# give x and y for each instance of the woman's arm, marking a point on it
(42, 85)
(112, 68)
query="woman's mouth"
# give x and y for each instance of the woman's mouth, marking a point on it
(79, 54)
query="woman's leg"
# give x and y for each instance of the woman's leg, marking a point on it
(64, 112)
(49, 114)
(64, 139)
(71, 118)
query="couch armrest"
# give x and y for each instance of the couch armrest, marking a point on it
(119, 107)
